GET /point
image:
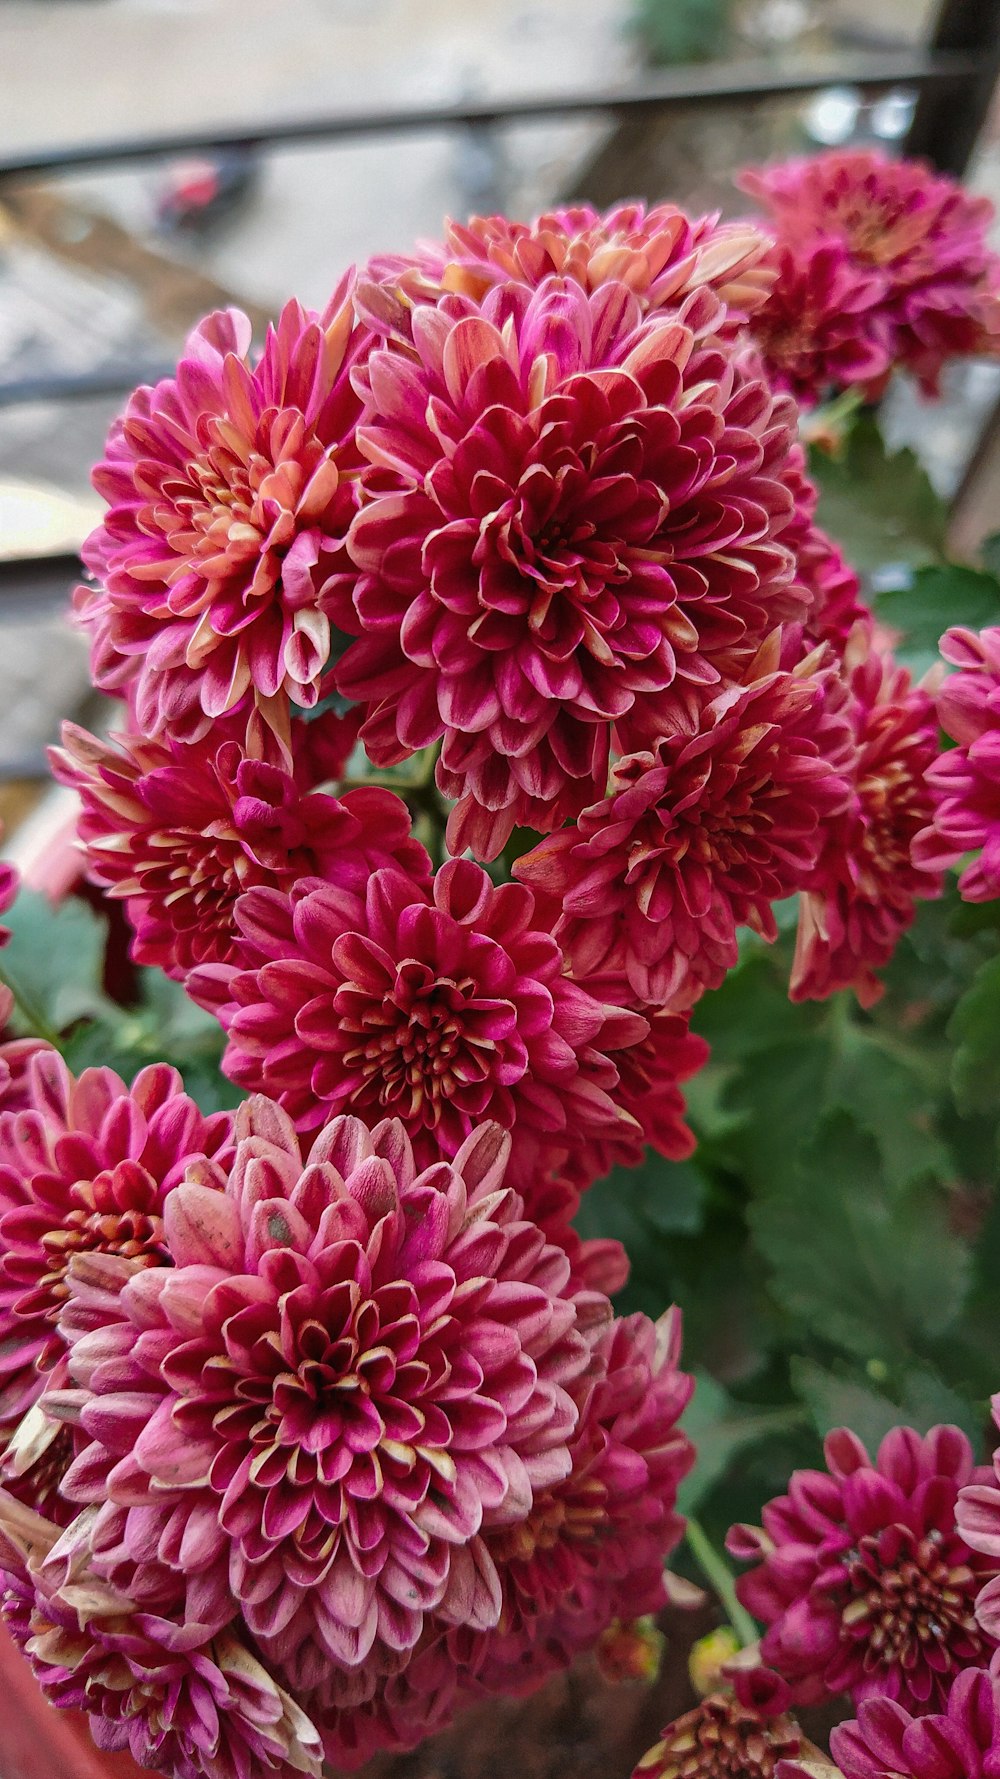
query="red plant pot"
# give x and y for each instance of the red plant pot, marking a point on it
(39, 1742)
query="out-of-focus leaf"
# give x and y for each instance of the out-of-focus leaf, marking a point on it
(975, 1028)
(721, 1427)
(837, 1399)
(877, 1275)
(879, 505)
(55, 959)
(938, 597)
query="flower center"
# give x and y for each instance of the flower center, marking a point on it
(422, 1044)
(721, 1739)
(910, 1600)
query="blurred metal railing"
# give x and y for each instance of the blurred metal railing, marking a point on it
(954, 77)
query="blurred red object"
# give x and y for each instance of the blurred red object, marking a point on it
(39, 1742)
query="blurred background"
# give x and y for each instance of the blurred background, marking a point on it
(159, 158)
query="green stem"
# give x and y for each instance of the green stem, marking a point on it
(32, 1015)
(717, 1571)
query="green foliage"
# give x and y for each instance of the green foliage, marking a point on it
(54, 966)
(54, 963)
(975, 1027)
(878, 504)
(674, 31)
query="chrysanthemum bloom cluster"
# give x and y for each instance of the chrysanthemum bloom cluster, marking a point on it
(864, 1581)
(586, 532)
(367, 1415)
(967, 777)
(741, 1732)
(870, 874)
(697, 837)
(880, 263)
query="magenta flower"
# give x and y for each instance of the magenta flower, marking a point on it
(192, 1705)
(864, 1582)
(350, 1376)
(820, 328)
(870, 875)
(696, 838)
(180, 831)
(960, 1742)
(440, 1007)
(916, 233)
(967, 777)
(86, 1167)
(659, 254)
(230, 491)
(586, 529)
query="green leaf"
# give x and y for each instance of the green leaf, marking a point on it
(721, 1427)
(975, 1029)
(989, 550)
(55, 959)
(785, 1091)
(937, 597)
(837, 1399)
(879, 505)
(876, 1275)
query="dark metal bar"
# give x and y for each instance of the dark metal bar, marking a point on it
(81, 385)
(37, 583)
(746, 83)
(943, 131)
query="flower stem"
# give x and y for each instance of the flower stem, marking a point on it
(717, 1571)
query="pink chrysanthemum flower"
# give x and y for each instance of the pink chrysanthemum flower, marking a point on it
(587, 525)
(230, 490)
(88, 1166)
(960, 1742)
(696, 838)
(351, 1374)
(191, 1705)
(820, 328)
(440, 1007)
(592, 1548)
(179, 832)
(967, 778)
(658, 252)
(741, 1732)
(864, 1581)
(594, 1545)
(917, 233)
(862, 896)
